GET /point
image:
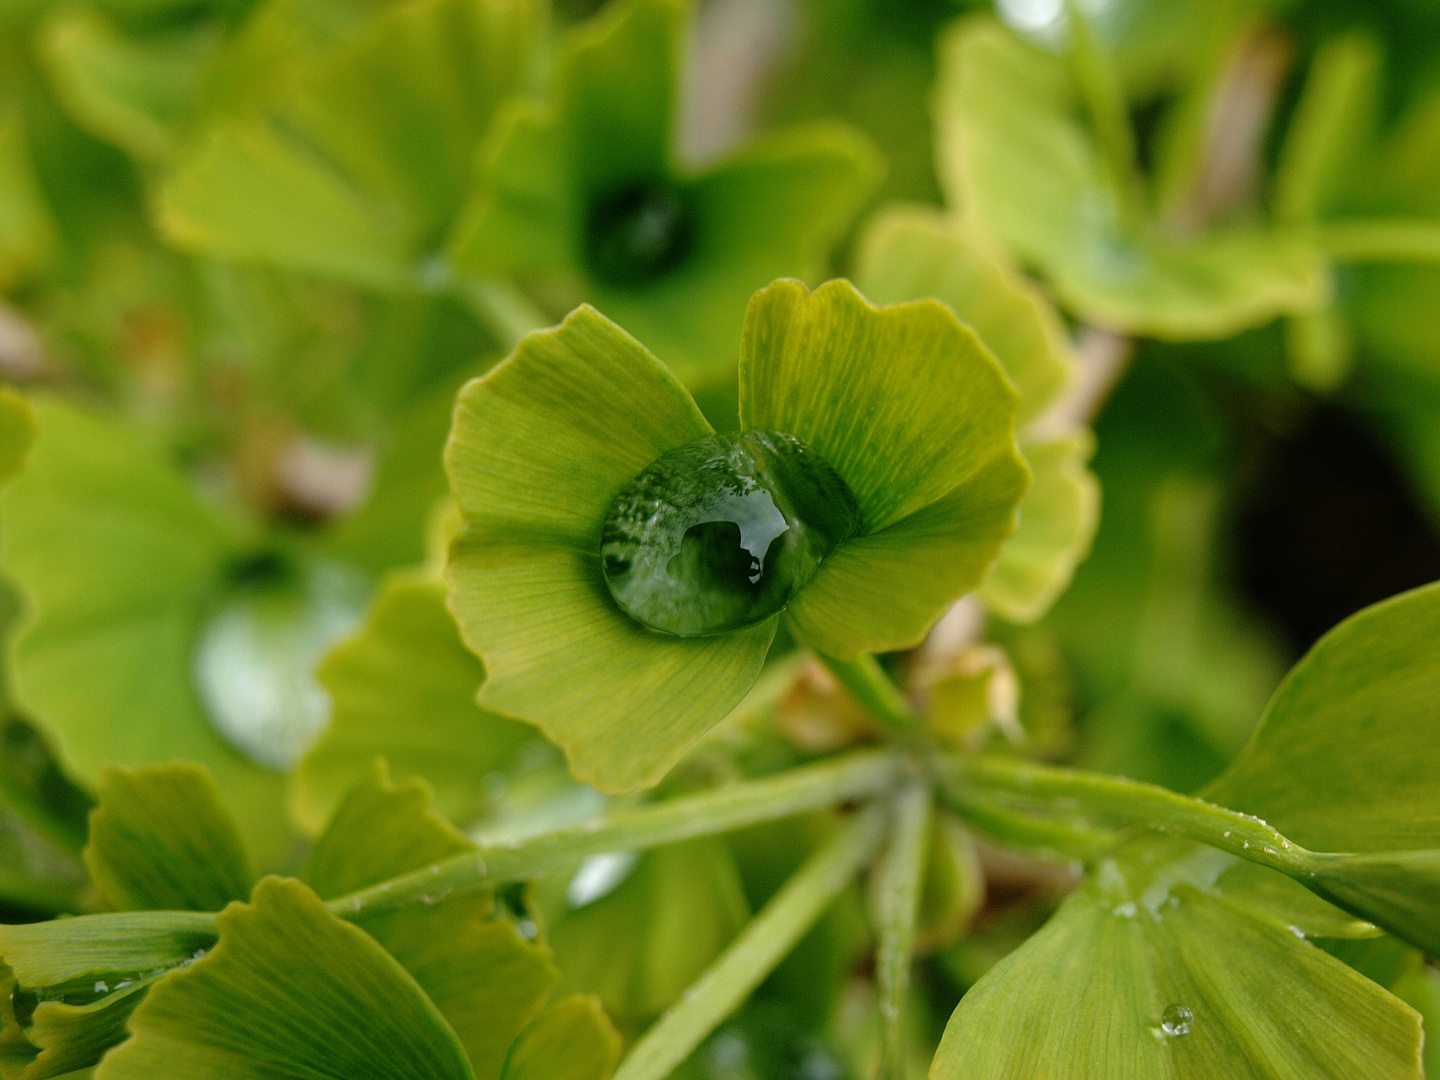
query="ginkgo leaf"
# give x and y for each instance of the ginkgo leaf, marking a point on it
(320, 998)
(1058, 519)
(355, 168)
(404, 688)
(1354, 719)
(917, 252)
(130, 91)
(1013, 156)
(1147, 973)
(640, 945)
(161, 840)
(483, 975)
(117, 555)
(591, 408)
(867, 388)
(562, 181)
(573, 1039)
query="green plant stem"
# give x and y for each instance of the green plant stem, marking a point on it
(867, 681)
(1080, 841)
(506, 311)
(1105, 101)
(1395, 240)
(756, 951)
(897, 899)
(1129, 802)
(810, 787)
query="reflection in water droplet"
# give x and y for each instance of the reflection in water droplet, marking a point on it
(255, 660)
(722, 533)
(1176, 1020)
(637, 233)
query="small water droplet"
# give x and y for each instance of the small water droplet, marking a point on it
(722, 533)
(1176, 1020)
(527, 929)
(1127, 910)
(637, 233)
(101, 988)
(1297, 932)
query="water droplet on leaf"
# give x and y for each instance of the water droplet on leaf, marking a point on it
(637, 233)
(1176, 1020)
(722, 533)
(255, 660)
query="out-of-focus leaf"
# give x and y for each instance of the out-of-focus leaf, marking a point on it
(28, 239)
(404, 689)
(1149, 971)
(639, 946)
(914, 253)
(356, 169)
(571, 1040)
(321, 999)
(1058, 518)
(17, 432)
(1012, 155)
(772, 208)
(161, 840)
(116, 555)
(132, 92)
(954, 885)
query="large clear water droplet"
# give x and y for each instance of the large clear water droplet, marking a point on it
(255, 660)
(1176, 1020)
(637, 233)
(722, 533)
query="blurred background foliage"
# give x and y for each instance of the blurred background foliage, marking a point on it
(225, 229)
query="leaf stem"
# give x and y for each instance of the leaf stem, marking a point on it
(756, 951)
(875, 690)
(898, 881)
(1129, 802)
(1045, 835)
(809, 787)
(1382, 240)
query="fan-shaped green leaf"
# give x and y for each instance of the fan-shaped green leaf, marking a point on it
(916, 252)
(541, 447)
(485, 978)
(1146, 973)
(404, 689)
(161, 840)
(316, 997)
(1013, 156)
(359, 166)
(571, 1040)
(639, 946)
(772, 208)
(117, 554)
(1058, 518)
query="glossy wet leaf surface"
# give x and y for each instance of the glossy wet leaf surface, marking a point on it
(1150, 972)
(722, 533)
